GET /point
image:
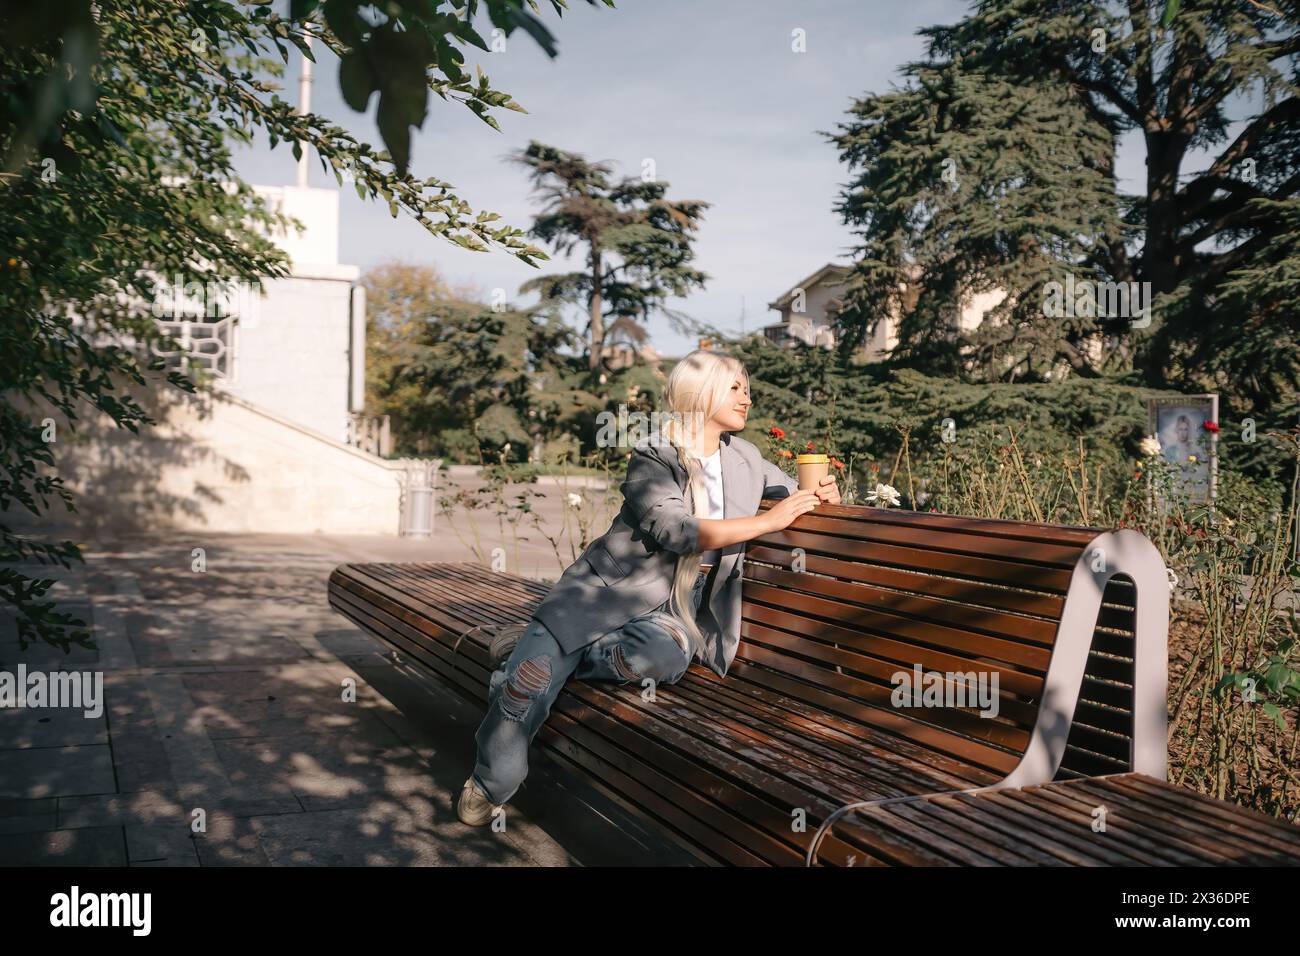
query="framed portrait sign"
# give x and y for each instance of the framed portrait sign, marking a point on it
(1180, 423)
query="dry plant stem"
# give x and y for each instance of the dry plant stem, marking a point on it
(907, 458)
(1023, 476)
(897, 458)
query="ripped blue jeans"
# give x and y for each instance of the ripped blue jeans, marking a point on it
(521, 691)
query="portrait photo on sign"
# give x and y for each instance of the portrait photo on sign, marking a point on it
(1179, 424)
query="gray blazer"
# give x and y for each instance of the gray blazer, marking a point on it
(628, 570)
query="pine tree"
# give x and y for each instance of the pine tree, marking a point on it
(992, 168)
(637, 243)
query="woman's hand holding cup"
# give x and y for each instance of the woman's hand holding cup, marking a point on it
(828, 491)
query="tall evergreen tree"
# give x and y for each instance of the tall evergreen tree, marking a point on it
(636, 242)
(993, 168)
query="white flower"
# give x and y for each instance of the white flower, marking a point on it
(884, 495)
(1150, 446)
(575, 500)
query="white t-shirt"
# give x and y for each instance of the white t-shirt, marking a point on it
(713, 483)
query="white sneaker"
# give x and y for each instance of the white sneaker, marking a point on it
(474, 807)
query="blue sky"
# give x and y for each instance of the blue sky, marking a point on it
(711, 90)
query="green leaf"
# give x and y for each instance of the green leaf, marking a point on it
(356, 81)
(535, 28)
(395, 130)
(1228, 680)
(1279, 676)
(1272, 710)
(341, 17)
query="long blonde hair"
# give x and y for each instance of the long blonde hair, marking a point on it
(698, 387)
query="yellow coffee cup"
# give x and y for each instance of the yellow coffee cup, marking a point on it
(812, 469)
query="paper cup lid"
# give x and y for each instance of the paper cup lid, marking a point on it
(813, 460)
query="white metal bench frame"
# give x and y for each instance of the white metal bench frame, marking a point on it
(1129, 554)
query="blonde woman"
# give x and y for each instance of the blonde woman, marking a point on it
(660, 588)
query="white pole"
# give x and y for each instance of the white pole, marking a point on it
(304, 107)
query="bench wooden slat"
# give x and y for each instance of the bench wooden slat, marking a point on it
(1209, 836)
(1271, 829)
(1147, 846)
(1148, 823)
(961, 566)
(1091, 764)
(967, 592)
(1168, 827)
(852, 596)
(991, 527)
(886, 835)
(990, 845)
(837, 774)
(868, 654)
(1125, 845)
(703, 795)
(872, 709)
(772, 648)
(828, 728)
(1015, 550)
(1046, 827)
(1067, 821)
(909, 581)
(816, 617)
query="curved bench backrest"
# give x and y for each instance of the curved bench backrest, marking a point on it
(869, 610)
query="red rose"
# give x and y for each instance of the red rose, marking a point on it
(777, 432)
(809, 446)
(837, 463)
(1211, 427)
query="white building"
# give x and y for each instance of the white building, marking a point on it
(808, 310)
(296, 346)
(274, 445)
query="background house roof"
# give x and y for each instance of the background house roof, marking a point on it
(832, 272)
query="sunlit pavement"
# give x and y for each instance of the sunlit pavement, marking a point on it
(226, 738)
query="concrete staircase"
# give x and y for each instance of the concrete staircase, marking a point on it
(215, 461)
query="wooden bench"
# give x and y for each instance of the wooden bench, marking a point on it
(1072, 621)
(1119, 820)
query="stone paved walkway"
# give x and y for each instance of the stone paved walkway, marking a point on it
(224, 693)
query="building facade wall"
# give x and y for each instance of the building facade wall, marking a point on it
(294, 357)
